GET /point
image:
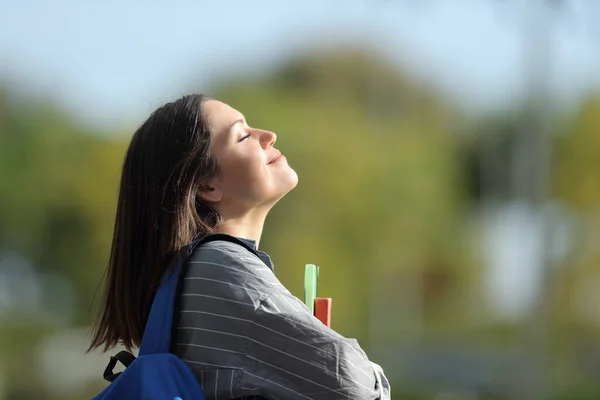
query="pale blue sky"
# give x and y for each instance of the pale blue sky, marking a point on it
(113, 61)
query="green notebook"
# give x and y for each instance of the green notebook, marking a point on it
(311, 281)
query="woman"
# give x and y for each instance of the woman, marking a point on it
(193, 169)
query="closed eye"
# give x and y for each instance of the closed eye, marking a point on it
(244, 138)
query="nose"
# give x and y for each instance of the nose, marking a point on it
(267, 139)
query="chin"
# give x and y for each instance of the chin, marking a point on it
(284, 187)
(293, 180)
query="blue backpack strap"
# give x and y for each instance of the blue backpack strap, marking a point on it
(157, 334)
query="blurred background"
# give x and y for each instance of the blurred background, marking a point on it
(449, 162)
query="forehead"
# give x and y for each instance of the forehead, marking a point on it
(220, 116)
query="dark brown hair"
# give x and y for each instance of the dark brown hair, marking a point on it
(159, 211)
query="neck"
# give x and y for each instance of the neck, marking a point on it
(247, 226)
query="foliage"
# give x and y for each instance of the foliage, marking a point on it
(382, 206)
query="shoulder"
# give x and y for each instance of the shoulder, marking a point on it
(227, 253)
(226, 263)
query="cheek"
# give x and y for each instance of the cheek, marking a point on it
(246, 164)
(243, 171)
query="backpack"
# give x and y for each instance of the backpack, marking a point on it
(157, 374)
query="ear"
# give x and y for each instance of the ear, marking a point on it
(210, 193)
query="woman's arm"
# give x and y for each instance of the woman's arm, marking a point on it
(293, 355)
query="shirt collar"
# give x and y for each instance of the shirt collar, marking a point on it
(261, 254)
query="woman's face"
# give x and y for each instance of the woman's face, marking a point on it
(253, 173)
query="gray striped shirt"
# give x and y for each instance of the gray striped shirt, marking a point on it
(244, 335)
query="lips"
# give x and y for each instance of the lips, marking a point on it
(275, 157)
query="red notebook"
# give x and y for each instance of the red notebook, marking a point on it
(323, 310)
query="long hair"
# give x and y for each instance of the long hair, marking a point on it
(159, 211)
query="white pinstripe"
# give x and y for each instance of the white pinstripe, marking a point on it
(208, 347)
(276, 283)
(211, 330)
(218, 298)
(280, 385)
(216, 384)
(303, 378)
(286, 300)
(252, 260)
(223, 282)
(209, 364)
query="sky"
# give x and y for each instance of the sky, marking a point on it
(112, 62)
